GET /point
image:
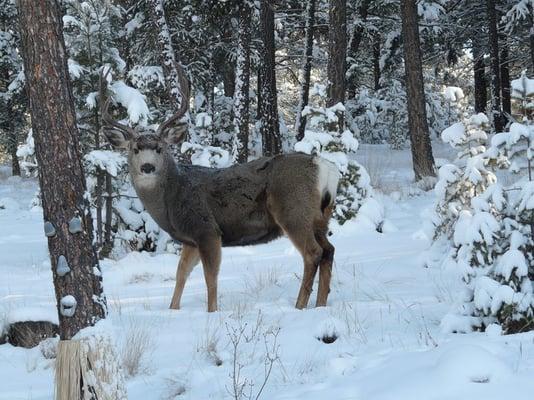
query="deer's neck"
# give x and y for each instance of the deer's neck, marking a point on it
(152, 192)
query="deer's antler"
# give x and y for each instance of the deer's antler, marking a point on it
(184, 89)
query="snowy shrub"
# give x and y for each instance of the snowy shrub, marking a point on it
(339, 148)
(199, 149)
(468, 176)
(381, 116)
(494, 239)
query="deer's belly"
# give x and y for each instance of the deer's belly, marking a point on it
(249, 229)
(250, 238)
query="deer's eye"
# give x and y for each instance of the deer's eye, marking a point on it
(136, 151)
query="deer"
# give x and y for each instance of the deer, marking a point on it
(252, 203)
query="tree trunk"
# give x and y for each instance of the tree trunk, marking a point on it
(229, 78)
(85, 369)
(269, 126)
(242, 84)
(15, 166)
(376, 60)
(337, 51)
(12, 144)
(505, 81)
(300, 123)
(354, 44)
(108, 239)
(61, 176)
(258, 94)
(495, 66)
(168, 58)
(423, 160)
(479, 70)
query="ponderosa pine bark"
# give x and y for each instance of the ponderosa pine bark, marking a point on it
(269, 124)
(337, 53)
(78, 282)
(423, 160)
(300, 122)
(242, 84)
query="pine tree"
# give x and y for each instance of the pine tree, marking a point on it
(268, 109)
(77, 277)
(337, 50)
(242, 84)
(423, 160)
(300, 122)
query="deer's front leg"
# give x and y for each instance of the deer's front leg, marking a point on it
(189, 257)
(210, 254)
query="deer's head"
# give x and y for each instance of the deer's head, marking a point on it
(147, 150)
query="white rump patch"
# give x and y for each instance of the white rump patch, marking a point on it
(328, 177)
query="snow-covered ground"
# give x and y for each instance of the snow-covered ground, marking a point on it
(384, 308)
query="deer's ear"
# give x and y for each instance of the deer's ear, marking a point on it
(117, 138)
(174, 134)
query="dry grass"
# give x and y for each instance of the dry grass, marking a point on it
(136, 348)
(208, 342)
(174, 387)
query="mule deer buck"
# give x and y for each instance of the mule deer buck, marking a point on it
(247, 204)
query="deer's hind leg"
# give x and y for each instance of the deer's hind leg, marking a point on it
(210, 254)
(325, 265)
(301, 235)
(189, 257)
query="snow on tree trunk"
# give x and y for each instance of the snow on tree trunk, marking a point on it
(78, 283)
(354, 45)
(269, 123)
(300, 123)
(479, 72)
(337, 50)
(168, 58)
(242, 84)
(495, 65)
(505, 79)
(423, 160)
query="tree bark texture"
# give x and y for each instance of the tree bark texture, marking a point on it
(337, 52)
(61, 176)
(168, 58)
(269, 126)
(355, 42)
(423, 160)
(495, 66)
(505, 80)
(242, 85)
(300, 123)
(479, 71)
(376, 60)
(15, 166)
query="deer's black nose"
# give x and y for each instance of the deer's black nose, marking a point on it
(147, 168)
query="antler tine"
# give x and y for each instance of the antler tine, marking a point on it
(184, 90)
(107, 119)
